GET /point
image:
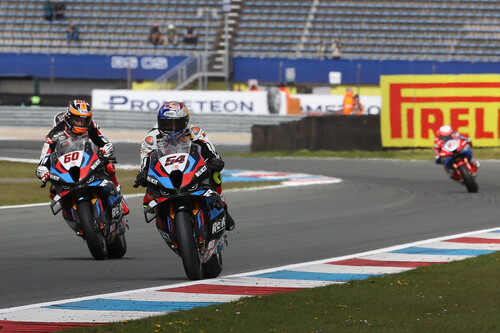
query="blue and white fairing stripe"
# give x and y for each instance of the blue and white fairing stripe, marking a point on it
(66, 177)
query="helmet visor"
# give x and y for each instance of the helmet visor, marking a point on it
(79, 121)
(171, 125)
(446, 137)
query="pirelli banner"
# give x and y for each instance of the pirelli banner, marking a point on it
(415, 106)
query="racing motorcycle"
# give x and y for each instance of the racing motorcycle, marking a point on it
(90, 202)
(188, 211)
(457, 153)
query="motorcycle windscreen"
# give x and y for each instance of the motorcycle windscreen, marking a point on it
(449, 147)
(170, 164)
(73, 158)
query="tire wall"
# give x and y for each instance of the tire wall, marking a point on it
(329, 132)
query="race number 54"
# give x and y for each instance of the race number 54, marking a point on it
(174, 159)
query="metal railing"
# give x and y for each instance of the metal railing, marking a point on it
(178, 74)
(140, 120)
(194, 67)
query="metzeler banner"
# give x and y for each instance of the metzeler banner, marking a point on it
(333, 103)
(415, 106)
(196, 101)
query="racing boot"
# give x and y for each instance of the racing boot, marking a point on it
(148, 196)
(126, 210)
(52, 192)
(230, 225)
(110, 168)
(475, 162)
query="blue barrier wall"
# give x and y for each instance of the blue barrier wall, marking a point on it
(65, 66)
(316, 71)
(263, 69)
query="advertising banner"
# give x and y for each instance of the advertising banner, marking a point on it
(333, 103)
(69, 66)
(415, 106)
(197, 101)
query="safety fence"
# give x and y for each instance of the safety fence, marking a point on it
(140, 120)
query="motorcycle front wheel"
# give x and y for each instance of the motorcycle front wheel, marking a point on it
(95, 240)
(213, 267)
(187, 246)
(118, 248)
(469, 181)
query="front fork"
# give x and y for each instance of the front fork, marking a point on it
(471, 167)
(164, 216)
(71, 217)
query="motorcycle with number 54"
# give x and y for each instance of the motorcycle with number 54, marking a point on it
(188, 211)
(90, 202)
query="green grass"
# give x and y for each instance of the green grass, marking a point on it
(460, 296)
(19, 185)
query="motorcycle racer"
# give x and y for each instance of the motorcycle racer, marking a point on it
(443, 134)
(173, 122)
(76, 120)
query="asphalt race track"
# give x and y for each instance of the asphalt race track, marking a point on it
(379, 203)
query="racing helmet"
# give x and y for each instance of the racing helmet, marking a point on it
(78, 116)
(173, 118)
(444, 131)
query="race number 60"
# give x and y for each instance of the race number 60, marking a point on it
(71, 156)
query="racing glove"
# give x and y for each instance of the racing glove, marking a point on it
(140, 180)
(43, 173)
(215, 164)
(107, 150)
(437, 159)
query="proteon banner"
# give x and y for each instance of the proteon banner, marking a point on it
(197, 101)
(415, 106)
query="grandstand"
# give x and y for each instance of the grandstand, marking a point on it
(444, 30)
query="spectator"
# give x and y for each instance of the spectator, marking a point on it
(155, 37)
(190, 36)
(59, 8)
(284, 89)
(357, 107)
(348, 101)
(253, 87)
(321, 49)
(336, 49)
(72, 33)
(48, 8)
(171, 34)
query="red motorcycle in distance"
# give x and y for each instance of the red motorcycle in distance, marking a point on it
(456, 155)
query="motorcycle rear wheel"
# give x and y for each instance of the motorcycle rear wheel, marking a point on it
(469, 181)
(95, 240)
(187, 246)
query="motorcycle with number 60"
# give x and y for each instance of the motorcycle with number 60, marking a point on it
(456, 155)
(90, 202)
(189, 212)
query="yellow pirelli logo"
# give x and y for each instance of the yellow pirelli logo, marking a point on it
(415, 106)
